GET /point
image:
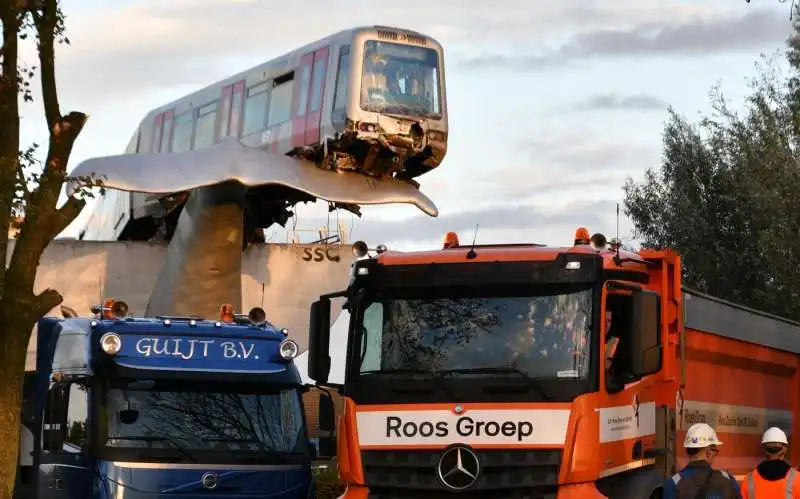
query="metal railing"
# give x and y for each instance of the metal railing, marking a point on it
(323, 235)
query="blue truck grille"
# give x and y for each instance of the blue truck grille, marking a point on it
(512, 474)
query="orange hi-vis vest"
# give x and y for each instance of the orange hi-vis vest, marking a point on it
(758, 488)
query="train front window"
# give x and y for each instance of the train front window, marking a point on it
(401, 80)
(192, 418)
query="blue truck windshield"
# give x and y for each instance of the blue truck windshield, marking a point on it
(541, 336)
(205, 421)
(401, 79)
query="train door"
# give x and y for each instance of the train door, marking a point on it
(166, 133)
(229, 112)
(308, 104)
(162, 132)
(158, 126)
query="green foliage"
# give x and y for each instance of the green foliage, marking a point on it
(327, 483)
(726, 194)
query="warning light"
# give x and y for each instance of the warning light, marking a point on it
(257, 315)
(114, 309)
(360, 249)
(450, 240)
(226, 313)
(581, 236)
(599, 241)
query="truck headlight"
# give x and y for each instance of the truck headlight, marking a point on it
(288, 349)
(111, 343)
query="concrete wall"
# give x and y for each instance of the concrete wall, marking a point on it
(274, 276)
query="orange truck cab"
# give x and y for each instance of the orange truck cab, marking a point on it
(527, 371)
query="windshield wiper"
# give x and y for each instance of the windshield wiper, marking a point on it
(437, 377)
(233, 439)
(156, 439)
(531, 383)
(280, 455)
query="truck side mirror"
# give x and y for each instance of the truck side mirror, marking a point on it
(319, 339)
(326, 412)
(646, 346)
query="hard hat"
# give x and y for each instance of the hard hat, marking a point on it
(774, 436)
(699, 436)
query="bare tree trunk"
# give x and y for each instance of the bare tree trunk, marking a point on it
(14, 336)
(43, 221)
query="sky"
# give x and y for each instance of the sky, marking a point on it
(552, 104)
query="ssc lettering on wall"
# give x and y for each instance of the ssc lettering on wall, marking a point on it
(190, 349)
(320, 253)
(518, 427)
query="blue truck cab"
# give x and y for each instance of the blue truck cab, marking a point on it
(167, 407)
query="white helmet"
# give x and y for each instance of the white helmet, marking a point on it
(774, 436)
(699, 436)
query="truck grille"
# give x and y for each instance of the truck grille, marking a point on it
(507, 474)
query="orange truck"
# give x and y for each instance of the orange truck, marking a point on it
(529, 371)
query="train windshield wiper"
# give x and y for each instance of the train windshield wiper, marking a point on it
(138, 438)
(530, 382)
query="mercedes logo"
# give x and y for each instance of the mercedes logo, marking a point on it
(458, 468)
(210, 480)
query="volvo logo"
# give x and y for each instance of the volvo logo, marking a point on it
(458, 468)
(209, 480)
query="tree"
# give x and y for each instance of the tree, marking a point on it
(726, 193)
(28, 188)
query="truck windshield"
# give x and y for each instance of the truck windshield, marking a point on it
(401, 80)
(543, 336)
(192, 418)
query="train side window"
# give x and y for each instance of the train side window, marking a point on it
(305, 84)
(236, 110)
(255, 109)
(340, 93)
(280, 103)
(158, 125)
(166, 133)
(77, 416)
(182, 132)
(206, 121)
(317, 84)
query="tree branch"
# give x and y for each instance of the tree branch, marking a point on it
(46, 301)
(66, 214)
(41, 217)
(46, 27)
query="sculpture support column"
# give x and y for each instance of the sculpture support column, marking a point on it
(203, 268)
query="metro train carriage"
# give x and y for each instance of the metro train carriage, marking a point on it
(370, 100)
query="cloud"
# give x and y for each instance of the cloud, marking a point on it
(610, 101)
(693, 37)
(137, 47)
